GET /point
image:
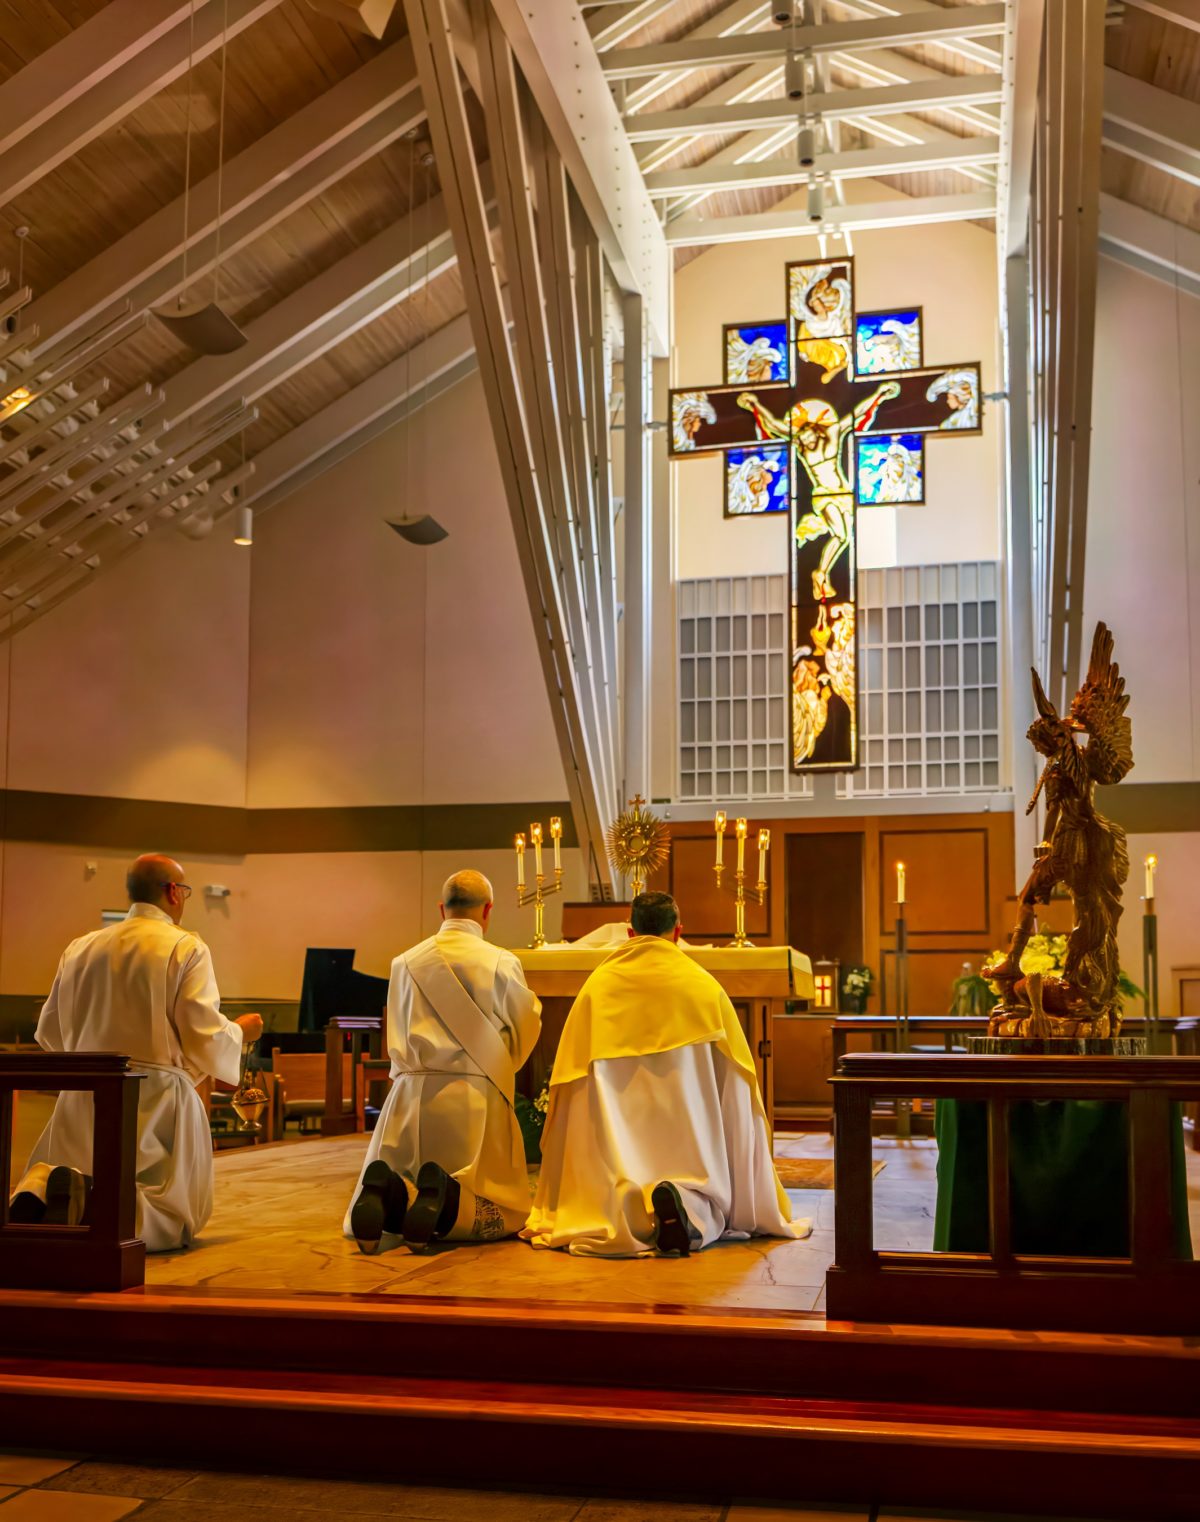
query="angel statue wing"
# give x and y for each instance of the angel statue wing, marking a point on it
(1099, 708)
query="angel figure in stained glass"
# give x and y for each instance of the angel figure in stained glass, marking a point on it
(961, 390)
(1082, 850)
(690, 410)
(751, 482)
(817, 435)
(822, 302)
(833, 638)
(892, 475)
(810, 703)
(754, 362)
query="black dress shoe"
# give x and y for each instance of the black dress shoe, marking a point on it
(26, 1208)
(67, 1193)
(673, 1230)
(433, 1213)
(382, 1199)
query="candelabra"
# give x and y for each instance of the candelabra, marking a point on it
(738, 890)
(541, 890)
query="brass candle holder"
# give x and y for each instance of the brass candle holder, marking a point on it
(542, 889)
(739, 888)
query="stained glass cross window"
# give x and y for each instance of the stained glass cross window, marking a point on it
(820, 414)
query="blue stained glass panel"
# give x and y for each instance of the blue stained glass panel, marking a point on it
(756, 480)
(755, 352)
(885, 342)
(891, 468)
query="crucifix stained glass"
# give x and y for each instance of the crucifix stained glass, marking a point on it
(820, 414)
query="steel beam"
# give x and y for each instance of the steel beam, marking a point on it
(1152, 125)
(831, 37)
(860, 163)
(71, 99)
(279, 172)
(904, 212)
(1179, 12)
(1149, 243)
(834, 105)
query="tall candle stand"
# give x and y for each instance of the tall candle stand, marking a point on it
(1150, 957)
(739, 889)
(542, 889)
(903, 1106)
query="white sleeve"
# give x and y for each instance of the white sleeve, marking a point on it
(49, 1028)
(518, 1008)
(211, 1043)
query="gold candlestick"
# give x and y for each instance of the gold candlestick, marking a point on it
(541, 889)
(739, 888)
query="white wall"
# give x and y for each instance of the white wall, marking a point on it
(950, 271)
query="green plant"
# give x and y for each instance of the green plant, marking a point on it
(856, 988)
(1047, 954)
(531, 1117)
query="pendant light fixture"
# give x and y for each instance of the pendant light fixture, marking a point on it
(203, 326)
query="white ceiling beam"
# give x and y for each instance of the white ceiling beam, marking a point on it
(1152, 125)
(556, 54)
(830, 37)
(904, 212)
(281, 171)
(1023, 47)
(859, 163)
(350, 421)
(975, 50)
(131, 71)
(835, 105)
(1181, 12)
(609, 27)
(741, 16)
(1150, 243)
(359, 288)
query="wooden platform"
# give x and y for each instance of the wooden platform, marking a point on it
(561, 1383)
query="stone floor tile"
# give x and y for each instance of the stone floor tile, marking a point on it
(600, 1509)
(62, 1506)
(352, 1498)
(146, 1482)
(798, 1513)
(29, 1469)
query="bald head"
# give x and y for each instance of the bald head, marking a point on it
(467, 895)
(157, 880)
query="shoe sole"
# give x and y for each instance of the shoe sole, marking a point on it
(675, 1233)
(26, 1209)
(369, 1210)
(66, 1198)
(422, 1216)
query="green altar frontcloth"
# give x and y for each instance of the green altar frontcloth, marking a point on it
(1069, 1178)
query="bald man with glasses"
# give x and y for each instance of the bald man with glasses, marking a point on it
(144, 987)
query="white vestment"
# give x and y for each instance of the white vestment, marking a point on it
(685, 1117)
(145, 988)
(452, 1071)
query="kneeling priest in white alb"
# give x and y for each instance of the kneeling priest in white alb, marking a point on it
(446, 1160)
(656, 1137)
(145, 987)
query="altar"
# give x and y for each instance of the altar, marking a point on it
(760, 980)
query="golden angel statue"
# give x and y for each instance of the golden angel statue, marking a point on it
(1084, 852)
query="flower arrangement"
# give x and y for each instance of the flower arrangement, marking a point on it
(973, 994)
(856, 989)
(531, 1117)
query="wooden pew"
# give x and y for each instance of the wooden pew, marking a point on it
(106, 1253)
(304, 1081)
(348, 1038)
(1152, 1290)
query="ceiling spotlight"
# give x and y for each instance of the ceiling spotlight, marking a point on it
(245, 526)
(793, 76)
(783, 14)
(816, 201)
(806, 146)
(425, 530)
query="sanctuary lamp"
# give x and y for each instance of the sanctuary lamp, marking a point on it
(739, 886)
(542, 889)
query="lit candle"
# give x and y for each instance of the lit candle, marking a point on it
(535, 834)
(556, 837)
(1151, 863)
(741, 837)
(520, 861)
(764, 845)
(720, 837)
(899, 882)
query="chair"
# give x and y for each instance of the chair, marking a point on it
(301, 1077)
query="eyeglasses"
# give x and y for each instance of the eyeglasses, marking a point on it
(183, 888)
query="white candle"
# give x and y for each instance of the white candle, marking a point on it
(720, 837)
(520, 861)
(741, 839)
(1151, 863)
(899, 882)
(764, 845)
(535, 834)
(556, 837)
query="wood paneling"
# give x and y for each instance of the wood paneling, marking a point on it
(947, 880)
(708, 912)
(825, 896)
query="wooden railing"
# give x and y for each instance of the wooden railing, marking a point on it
(105, 1254)
(338, 1120)
(1151, 1290)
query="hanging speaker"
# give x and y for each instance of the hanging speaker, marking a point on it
(816, 201)
(806, 147)
(793, 76)
(424, 530)
(202, 326)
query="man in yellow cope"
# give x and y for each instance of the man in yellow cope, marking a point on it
(656, 1138)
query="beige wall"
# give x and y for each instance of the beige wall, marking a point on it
(331, 665)
(949, 270)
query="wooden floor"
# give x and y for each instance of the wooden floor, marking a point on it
(277, 1226)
